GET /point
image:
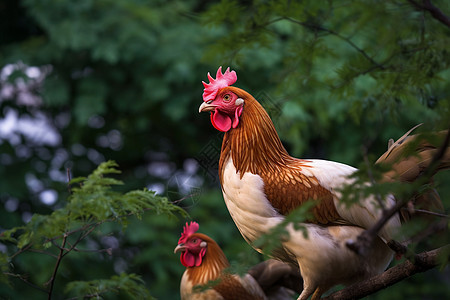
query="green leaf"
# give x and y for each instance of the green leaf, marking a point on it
(129, 285)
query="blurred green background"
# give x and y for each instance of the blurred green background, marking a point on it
(86, 81)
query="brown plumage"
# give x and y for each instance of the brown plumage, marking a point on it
(286, 186)
(207, 277)
(410, 157)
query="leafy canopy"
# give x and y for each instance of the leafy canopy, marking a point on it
(93, 202)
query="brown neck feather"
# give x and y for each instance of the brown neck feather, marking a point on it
(254, 144)
(213, 263)
(255, 147)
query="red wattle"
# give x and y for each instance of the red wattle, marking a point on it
(220, 121)
(189, 259)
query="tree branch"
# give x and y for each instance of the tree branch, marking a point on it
(423, 262)
(433, 10)
(338, 35)
(80, 238)
(69, 187)
(430, 213)
(58, 261)
(25, 248)
(26, 281)
(42, 252)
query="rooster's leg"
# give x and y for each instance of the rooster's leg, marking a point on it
(317, 294)
(307, 291)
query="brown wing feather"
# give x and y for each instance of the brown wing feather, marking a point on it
(229, 287)
(289, 189)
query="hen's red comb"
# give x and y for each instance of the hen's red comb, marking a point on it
(188, 230)
(221, 81)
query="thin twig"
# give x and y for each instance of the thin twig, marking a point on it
(80, 238)
(107, 250)
(23, 249)
(42, 252)
(26, 281)
(431, 229)
(365, 239)
(58, 262)
(69, 187)
(427, 212)
(74, 248)
(338, 35)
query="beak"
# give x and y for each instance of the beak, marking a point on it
(206, 107)
(179, 248)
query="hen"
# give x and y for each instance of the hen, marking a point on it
(206, 275)
(262, 183)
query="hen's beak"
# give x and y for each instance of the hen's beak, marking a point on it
(206, 107)
(179, 248)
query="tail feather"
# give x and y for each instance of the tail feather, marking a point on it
(409, 157)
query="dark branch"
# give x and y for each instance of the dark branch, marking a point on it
(69, 187)
(80, 238)
(55, 271)
(42, 252)
(25, 248)
(26, 281)
(430, 213)
(423, 262)
(433, 10)
(337, 34)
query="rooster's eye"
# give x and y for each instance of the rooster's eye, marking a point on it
(227, 98)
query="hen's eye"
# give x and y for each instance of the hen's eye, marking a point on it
(226, 98)
(194, 241)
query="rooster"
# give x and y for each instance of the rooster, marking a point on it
(206, 275)
(262, 184)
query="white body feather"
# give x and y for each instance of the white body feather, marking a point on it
(323, 256)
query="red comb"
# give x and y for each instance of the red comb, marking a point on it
(188, 230)
(221, 81)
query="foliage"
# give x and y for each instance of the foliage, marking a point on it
(88, 207)
(82, 82)
(131, 284)
(336, 64)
